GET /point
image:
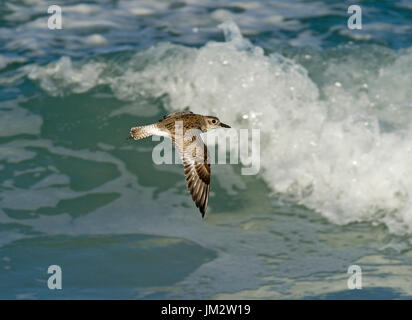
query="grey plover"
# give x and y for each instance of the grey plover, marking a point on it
(184, 129)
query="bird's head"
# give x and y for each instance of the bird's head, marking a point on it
(214, 122)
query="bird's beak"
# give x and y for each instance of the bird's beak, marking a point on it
(224, 125)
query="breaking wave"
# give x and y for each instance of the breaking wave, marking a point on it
(335, 127)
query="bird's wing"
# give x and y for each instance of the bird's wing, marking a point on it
(176, 114)
(196, 162)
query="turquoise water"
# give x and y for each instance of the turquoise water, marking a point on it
(333, 107)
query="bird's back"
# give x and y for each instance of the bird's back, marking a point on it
(187, 120)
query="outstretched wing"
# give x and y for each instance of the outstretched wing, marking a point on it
(196, 162)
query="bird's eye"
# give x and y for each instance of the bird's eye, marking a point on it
(214, 121)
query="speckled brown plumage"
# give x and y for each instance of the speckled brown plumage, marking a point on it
(184, 129)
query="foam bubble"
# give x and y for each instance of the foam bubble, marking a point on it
(96, 40)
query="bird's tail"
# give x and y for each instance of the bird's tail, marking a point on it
(137, 133)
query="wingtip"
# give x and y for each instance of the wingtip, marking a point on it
(203, 213)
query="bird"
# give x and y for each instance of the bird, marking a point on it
(184, 128)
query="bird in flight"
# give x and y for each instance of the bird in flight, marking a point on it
(184, 129)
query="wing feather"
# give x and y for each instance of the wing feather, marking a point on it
(176, 114)
(196, 162)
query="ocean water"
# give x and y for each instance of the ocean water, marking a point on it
(334, 110)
